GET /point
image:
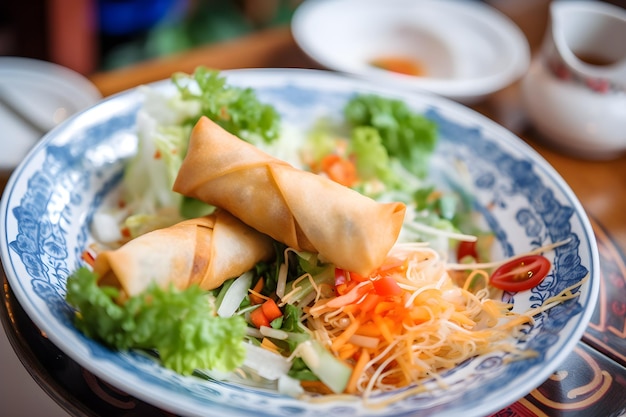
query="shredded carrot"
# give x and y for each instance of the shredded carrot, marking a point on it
(255, 293)
(369, 329)
(269, 345)
(271, 309)
(339, 169)
(345, 335)
(404, 338)
(258, 318)
(347, 351)
(384, 328)
(358, 371)
(256, 297)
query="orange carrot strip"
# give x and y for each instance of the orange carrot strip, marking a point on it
(345, 335)
(384, 328)
(271, 310)
(352, 308)
(358, 370)
(258, 297)
(255, 293)
(347, 351)
(269, 345)
(368, 329)
(258, 318)
(384, 307)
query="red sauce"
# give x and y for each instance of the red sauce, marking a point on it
(401, 65)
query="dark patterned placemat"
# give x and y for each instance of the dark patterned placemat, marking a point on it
(607, 329)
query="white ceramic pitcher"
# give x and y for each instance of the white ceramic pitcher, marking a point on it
(575, 91)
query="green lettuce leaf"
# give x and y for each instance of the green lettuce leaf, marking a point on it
(181, 326)
(238, 110)
(372, 158)
(408, 136)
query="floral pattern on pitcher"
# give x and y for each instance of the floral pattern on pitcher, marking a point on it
(564, 73)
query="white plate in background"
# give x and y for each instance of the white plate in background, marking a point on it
(468, 48)
(35, 96)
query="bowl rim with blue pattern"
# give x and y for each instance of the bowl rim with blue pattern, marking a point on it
(50, 198)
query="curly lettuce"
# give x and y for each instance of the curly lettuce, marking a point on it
(238, 110)
(181, 326)
(407, 135)
(371, 157)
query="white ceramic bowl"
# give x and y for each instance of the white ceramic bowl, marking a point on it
(51, 197)
(468, 49)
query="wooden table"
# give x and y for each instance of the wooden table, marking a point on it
(600, 185)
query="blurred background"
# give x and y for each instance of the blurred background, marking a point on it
(89, 36)
(96, 35)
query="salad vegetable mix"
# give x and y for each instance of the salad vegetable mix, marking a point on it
(298, 323)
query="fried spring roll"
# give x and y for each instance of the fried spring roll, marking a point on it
(303, 210)
(205, 251)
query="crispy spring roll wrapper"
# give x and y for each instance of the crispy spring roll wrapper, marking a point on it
(300, 209)
(204, 251)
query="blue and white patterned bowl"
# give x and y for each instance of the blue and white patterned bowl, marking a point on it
(49, 200)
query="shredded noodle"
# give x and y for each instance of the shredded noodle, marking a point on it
(433, 325)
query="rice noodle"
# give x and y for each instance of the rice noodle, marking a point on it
(432, 327)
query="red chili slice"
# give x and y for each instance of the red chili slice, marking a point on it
(466, 249)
